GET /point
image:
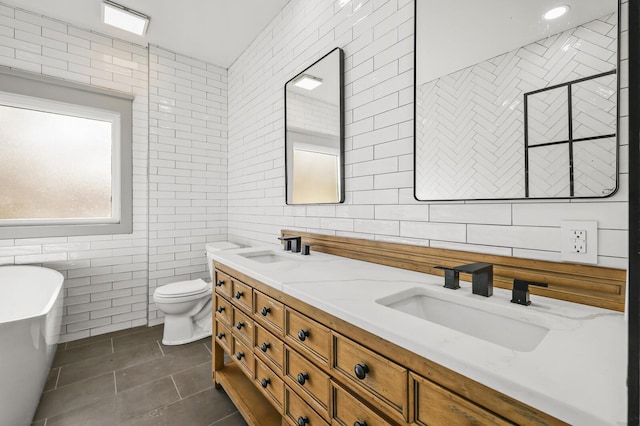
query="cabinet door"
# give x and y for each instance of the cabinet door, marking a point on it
(434, 405)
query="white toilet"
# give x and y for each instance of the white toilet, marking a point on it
(187, 304)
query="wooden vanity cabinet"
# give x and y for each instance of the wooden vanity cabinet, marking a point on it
(293, 364)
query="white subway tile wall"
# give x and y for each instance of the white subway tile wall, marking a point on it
(187, 167)
(377, 37)
(188, 190)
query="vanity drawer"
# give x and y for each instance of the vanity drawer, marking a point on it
(222, 336)
(269, 347)
(307, 379)
(309, 334)
(385, 379)
(348, 410)
(269, 383)
(243, 327)
(270, 311)
(436, 405)
(242, 295)
(223, 310)
(223, 283)
(297, 412)
(243, 356)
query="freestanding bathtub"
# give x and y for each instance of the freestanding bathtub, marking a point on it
(30, 318)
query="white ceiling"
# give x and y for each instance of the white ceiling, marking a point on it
(215, 31)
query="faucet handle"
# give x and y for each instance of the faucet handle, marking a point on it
(520, 293)
(451, 277)
(287, 243)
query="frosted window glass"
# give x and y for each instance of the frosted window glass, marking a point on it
(54, 166)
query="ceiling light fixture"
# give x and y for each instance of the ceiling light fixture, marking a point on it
(308, 82)
(555, 13)
(124, 18)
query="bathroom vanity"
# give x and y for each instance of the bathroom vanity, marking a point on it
(323, 339)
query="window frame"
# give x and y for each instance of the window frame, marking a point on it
(44, 93)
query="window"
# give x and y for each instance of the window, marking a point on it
(66, 158)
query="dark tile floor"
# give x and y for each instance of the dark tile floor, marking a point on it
(130, 378)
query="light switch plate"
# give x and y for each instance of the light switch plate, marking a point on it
(579, 241)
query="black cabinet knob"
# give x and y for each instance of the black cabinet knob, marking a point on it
(361, 370)
(219, 283)
(303, 421)
(265, 346)
(265, 311)
(265, 383)
(220, 335)
(302, 378)
(239, 356)
(239, 294)
(220, 309)
(362, 423)
(239, 325)
(303, 334)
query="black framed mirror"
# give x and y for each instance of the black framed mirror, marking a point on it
(314, 132)
(526, 108)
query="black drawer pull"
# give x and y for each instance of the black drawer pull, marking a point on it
(220, 309)
(361, 371)
(303, 334)
(265, 383)
(239, 356)
(362, 423)
(302, 378)
(239, 294)
(265, 311)
(303, 421)
(220, 335)
(239, 325)
(219, 283)
(265, 346)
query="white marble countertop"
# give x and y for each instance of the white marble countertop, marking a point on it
(577, 373)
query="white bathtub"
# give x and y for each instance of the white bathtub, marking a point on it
(30, 317)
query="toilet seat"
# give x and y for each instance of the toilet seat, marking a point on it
(182, 289)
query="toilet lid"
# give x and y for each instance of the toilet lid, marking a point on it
(182, 288)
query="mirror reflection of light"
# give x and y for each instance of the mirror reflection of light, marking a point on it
(308, 82)
(343, 3)
(556, 12)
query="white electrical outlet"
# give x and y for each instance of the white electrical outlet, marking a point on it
(579, 241)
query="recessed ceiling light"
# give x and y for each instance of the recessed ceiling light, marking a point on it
(124, 18)
(309, 82)
(556, 12)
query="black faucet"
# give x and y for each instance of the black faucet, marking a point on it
(481, 277)
(292, 243)
(451, 278)
(520, 293)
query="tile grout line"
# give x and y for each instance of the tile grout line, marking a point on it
(57, 378)
(205, 345)
(112, 348)
(224, 418)
(176, 386)
(160, 346)
(115, 384)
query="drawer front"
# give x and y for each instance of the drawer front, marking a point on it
(270, 311)
(223, 337)
(243, 356)
(309, 334)
(436, 405)
(305, 378)
(297, 412)
(223, 283)
(347, 410)
(270, 347)
(243, 327)
(242, 295)
(224, 311)
(269, 383)
(384, 378)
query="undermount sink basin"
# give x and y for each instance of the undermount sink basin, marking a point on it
(469, 319)
(267, 256)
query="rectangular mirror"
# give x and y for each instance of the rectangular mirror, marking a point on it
(314, 132)
(510, 103)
